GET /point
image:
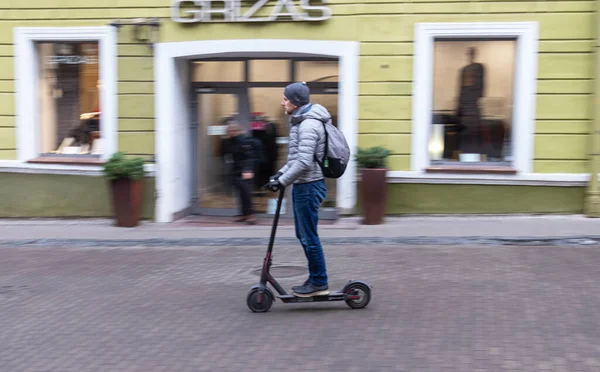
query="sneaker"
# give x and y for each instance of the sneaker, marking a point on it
(311, 290)
(299, 287)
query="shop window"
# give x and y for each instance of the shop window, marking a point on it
(218, 71)
(70, 110)
(317, 71)
(473, 104)
(473, 83)
(66, 94)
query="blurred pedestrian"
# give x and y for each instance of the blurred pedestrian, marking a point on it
(244, 157)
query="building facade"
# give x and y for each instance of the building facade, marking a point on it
(486, 106)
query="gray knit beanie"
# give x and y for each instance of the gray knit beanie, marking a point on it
(297, 93)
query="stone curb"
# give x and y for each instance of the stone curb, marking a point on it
(247, 242)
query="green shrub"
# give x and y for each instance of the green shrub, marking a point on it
(118, 166)
(373, 157)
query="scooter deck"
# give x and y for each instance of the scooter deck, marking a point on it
(332, 296)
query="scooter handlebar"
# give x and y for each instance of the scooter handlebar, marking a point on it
(266, 186)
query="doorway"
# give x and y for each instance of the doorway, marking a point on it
(249, 90)
(213, 193)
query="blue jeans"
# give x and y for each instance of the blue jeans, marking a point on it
(307, 198)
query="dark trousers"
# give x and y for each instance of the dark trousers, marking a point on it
(307, 198)
(244, 188)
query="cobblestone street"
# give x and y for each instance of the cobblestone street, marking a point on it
(183, 309)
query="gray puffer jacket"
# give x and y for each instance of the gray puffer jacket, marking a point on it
(307, 137)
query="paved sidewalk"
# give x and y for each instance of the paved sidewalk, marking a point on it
(434, 309)
(410, 229)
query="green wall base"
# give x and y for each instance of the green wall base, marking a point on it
(592, 204)
(52, 196)
(480, 199)
(55, 196)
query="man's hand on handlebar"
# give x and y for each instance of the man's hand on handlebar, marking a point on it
(273, 185)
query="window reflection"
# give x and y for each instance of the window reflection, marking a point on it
(269, 70)
(221, 71)
(317, 71)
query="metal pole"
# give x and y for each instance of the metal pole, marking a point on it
(592, 200)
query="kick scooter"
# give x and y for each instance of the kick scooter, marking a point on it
(356, 293)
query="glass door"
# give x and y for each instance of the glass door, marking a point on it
(250, 90)
(213, 191)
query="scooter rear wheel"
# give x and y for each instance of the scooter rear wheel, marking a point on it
(363, 291)
(254, 305)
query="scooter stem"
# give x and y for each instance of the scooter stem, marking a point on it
(276, 219)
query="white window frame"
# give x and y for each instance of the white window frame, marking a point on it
(525, 79)
(27, 105)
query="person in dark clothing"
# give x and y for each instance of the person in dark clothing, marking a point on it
(264, 133)
(244, 158)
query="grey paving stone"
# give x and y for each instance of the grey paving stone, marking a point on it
(434, 308)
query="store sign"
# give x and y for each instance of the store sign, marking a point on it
(199, 11)
(217, 130)
(72, 60)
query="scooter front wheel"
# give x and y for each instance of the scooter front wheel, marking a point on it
(363, 291)
(253, 303)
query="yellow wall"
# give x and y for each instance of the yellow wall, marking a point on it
(385, 31)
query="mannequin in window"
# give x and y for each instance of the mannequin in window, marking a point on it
(472, 84)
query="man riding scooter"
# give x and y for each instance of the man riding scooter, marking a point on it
(306, 139)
